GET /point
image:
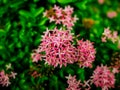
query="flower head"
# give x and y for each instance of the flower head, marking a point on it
(73, 83)
(61, 16)
(103, 77)
(109, 35)
(4, 79)
(86, 53)
(57, 47)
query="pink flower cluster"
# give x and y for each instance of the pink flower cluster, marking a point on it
(109, 35)
(103, 77)
(57, 47)
(61, 16)
(74, 84)
(111, 14)
(5, 78)
(86, 53)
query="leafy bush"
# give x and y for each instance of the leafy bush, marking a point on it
(22, 27)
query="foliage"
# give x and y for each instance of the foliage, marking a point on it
(21, 28)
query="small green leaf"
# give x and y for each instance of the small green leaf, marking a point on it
(22, 81)
(66, 1)
(38, 11)
(24, 13)
(52, 1)
(16, 4)
(42, 21)
(1, 62)
(81, 74)
(36, 0)
(2, 32)
(81, 5)
(19, 45)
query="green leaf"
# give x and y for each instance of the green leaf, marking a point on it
(52, 1)
(22, 81)
(81, 74)
(24, 13)
(111, 46)
(42, 21)
(16, 4)
(36, 0)
(38, 11)
(54, 82)
(5, 1)
(2, 32)
(1, 47)
(19, 45)
(81, 5)
(1, 62)
(66, 1)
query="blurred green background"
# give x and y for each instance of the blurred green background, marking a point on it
(22, 24)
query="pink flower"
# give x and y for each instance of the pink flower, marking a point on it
(115, 70)
(73, 84)
(111, 14)
(57, 47)
(107, 31)
(13, 75)
(100, 1)
(109, 35)
(103, 77)
(36, 57)
(86, 53)
(104, 39)
(4, 79)
(61, 16)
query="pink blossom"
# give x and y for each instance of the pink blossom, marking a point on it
(111, 14)
(107, 31)
(36, 57)
(61, 16)
(103, 77)
(86, 53)
(104, 39)
(13, 75)
(100, 1)
(57, 47)
(4, 79)
(115, 70)
(109, 35)
(73, 84)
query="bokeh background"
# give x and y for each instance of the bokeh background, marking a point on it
(22, 24)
